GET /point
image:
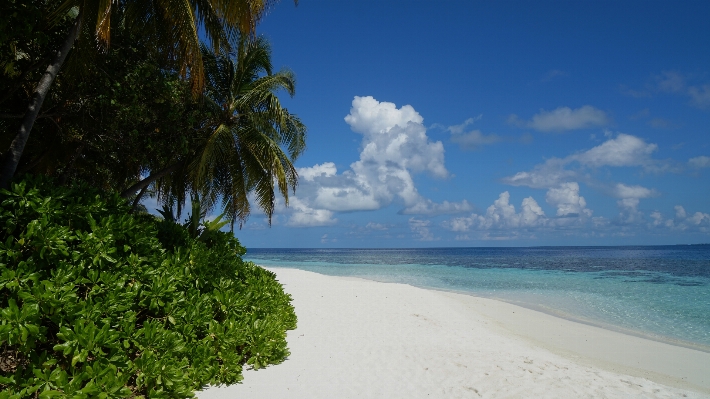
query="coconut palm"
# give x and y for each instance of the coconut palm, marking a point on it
(172, 26)
(250, 142)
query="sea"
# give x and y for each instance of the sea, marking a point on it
(657, 292)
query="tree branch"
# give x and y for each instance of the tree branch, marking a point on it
(127, 193)
(137, 200)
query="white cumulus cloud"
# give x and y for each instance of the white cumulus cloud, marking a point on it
(501, 215)
(325, 169)
(680, 212)
(567, 200)
(392, 135)
(630, 197)
(394, 147)
(629, 213)
(305, 216)
(623, 150)
(371, 117)
(683, 220)
(560, 177)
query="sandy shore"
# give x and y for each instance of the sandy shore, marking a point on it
(364, 339)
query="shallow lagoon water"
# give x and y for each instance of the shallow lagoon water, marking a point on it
(661, 292)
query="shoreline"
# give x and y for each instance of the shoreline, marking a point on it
(581, 320)
(362, 338)
(636, 331)
(600, 346)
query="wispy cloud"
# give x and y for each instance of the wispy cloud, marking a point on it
(674, 82)
(623, 191)
(700, 96)
(655, 122)
(660, 123)
(459, 129)
(563, 119)
(642, 93)
(377, 226)
(699, 162)
(431, 208)
(552, 74)
(421, 231)
(643, 114)
(622, 151)
(671, 82)
(473, 139)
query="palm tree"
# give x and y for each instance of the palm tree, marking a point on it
(172, 25)
(249, 143)
(253, 140)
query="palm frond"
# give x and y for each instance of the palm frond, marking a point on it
(248, 145)
(103, 22)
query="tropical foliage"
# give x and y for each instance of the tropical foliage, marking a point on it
(249, 140)
(125, 113)
(126, 120)
(96, 297)
(93, 305)
(171, 27)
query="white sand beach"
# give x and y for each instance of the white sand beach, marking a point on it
(365, 339)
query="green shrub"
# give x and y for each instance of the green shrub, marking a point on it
(91, 304)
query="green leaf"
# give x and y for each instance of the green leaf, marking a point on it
(50, 394)
(109, 337)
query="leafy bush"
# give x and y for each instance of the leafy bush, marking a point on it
(91, 304)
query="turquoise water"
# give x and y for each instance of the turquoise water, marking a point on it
(659, 292)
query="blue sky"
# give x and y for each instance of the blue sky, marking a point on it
(507, 123)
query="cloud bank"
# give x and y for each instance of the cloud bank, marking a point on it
(622, 151)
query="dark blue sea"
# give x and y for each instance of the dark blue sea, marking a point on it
(659, 292)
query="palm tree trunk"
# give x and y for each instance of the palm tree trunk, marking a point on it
(13, 155)
(137, 200)
(127, 193)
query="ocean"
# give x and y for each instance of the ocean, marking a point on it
(657, 292)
